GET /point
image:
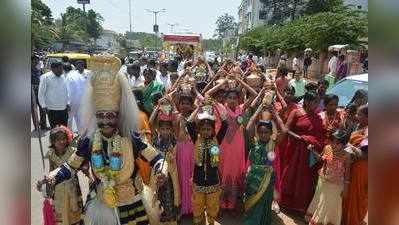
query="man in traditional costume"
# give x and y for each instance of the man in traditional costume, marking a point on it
(109, 114)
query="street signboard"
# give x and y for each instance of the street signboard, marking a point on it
(83, 1)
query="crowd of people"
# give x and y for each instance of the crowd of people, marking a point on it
(206, 138)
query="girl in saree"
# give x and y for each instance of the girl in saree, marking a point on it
(333, 119)
(356, 199)
(260, 177)
(67, 196)
(298, 178)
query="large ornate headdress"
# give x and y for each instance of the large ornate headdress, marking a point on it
(105, 82)
(108, 91)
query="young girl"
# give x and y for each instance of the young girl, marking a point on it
(326, 206)
(165, 142)
(233, 164)
(185, 151)
(67, 196)
(332, 118)
(206, 186)
(259, 188)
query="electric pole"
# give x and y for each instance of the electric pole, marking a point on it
(130, 15)
(156, 27)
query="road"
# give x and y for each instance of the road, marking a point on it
(227, 218)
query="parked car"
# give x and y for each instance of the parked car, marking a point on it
(346, 88)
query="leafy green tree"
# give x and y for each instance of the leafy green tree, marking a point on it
(316, 31)
(42, 25)
(225, 25)
(212, 44)
(316, 6)
(93, 24)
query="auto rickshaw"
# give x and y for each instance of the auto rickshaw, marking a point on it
(73, 58)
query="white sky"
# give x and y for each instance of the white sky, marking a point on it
(198, 16)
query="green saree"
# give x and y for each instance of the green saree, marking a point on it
(259, 187)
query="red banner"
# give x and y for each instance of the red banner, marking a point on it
(181, 38)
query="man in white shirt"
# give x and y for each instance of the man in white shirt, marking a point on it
(54, 95)
(164, 77)
(152, 64)
(332, 69)
(332, 64)
(295, 64)
(143, 64)
(136, 80)
(77, 81)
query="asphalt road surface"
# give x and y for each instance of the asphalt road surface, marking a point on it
(226, 218)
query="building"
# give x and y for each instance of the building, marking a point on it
(357, 4)
(108, 40)
(250, 15)
(253, 13)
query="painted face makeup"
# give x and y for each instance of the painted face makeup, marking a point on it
(107, 118)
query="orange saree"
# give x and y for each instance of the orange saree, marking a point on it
(355, 203)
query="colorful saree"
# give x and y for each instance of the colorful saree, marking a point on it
(355, 204)
(259, 187)
(233, 165)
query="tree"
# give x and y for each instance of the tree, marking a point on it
(76, 25)
(212, 44)
(225, 26)
(93, 24)
(42, 26)
(316, 6)
(316, 31)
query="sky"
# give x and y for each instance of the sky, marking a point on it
(198, 16)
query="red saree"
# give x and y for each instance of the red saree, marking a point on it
(298, 179)
(279, 163)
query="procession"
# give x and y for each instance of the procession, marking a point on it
(196, 133)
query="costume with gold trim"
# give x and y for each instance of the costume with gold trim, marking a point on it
(114, 198)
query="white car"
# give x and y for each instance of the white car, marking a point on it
(346, 88)
(210, 56)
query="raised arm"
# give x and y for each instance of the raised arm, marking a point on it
(246, 86)
(256, 100)
(214, 89)
(210, 71)
(153, 116)
(280, 98)
(210, 83)
(193, 115)
(250, 126)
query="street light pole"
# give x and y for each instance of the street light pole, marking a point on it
(130, 15)
(156, 28)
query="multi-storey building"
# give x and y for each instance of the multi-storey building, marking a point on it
(358, 4)
(253, 13)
